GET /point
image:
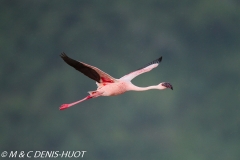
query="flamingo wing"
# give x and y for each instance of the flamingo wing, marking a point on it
(142, 70)
(88, 70)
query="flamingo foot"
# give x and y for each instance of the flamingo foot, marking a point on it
(64, 106)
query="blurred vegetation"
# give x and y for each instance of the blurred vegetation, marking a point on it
(198, 39)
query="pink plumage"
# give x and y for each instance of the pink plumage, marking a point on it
(109, 86)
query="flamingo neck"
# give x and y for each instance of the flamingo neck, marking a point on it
(136, 88)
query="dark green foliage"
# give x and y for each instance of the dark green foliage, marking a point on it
(198, 40)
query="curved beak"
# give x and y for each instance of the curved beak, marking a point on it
(167, 85)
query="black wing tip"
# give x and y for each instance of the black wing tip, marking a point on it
(153, 62)
(156, 61)
(63, 54)
(160, 59)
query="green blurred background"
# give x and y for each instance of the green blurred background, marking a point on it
(198, 39)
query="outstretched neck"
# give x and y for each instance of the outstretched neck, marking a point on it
(136, 88)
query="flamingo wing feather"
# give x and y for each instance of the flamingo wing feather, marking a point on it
(90, 71)
(142, 70)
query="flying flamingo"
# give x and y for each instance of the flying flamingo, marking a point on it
(109, 86)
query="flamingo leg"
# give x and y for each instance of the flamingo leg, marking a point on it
(65, 106)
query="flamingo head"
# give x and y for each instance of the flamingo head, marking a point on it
(165, 85)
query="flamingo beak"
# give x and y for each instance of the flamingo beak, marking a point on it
(167, 85)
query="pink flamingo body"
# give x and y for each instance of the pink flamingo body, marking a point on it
(109, 86)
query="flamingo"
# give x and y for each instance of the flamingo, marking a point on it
(109, 86)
